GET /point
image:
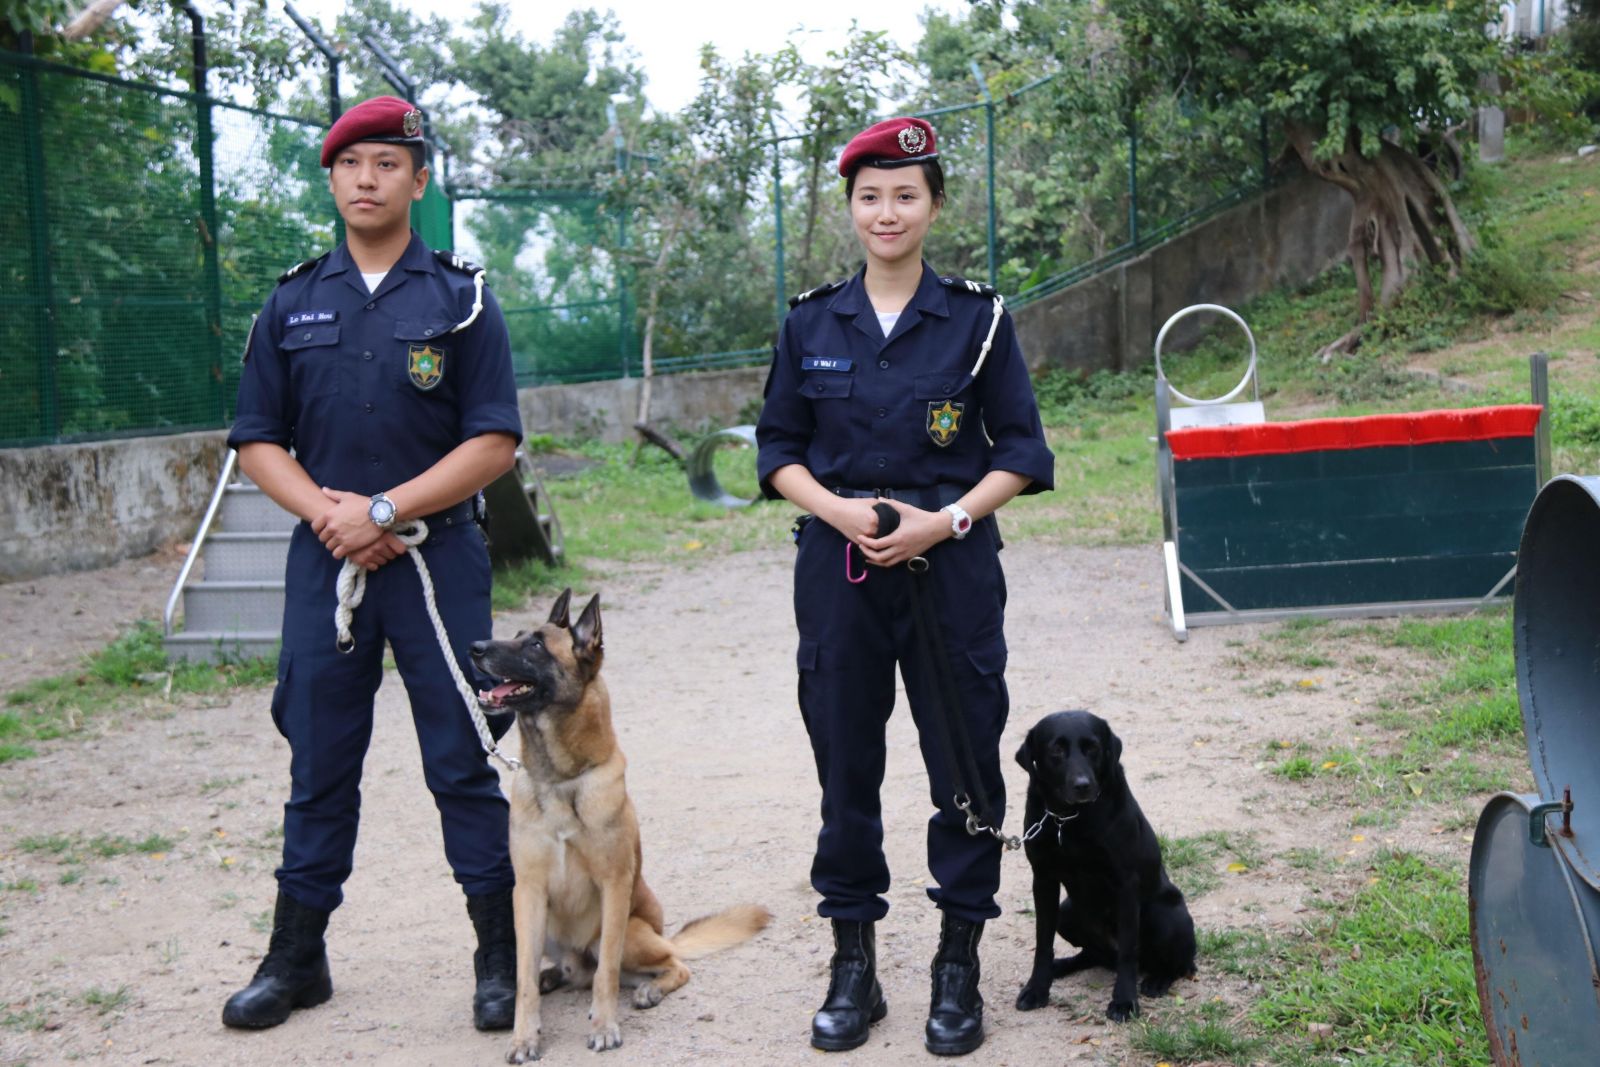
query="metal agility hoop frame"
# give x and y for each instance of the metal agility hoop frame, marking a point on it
(1249, 378)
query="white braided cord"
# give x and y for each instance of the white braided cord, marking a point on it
(994, 324)
(352, 586)
(477, 302)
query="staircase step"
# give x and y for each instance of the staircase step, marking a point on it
(246, 509)
(203, 647)
(233, 606)
(251, 557)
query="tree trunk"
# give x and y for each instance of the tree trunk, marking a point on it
(1403, 216)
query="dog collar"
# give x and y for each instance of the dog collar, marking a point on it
(1033, 831)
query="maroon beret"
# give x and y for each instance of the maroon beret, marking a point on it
(383, 118)
(890, 143)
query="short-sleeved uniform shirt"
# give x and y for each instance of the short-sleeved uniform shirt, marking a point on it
(370, 389)
(861, 411)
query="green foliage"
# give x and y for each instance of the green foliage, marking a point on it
(1391, 971)
(1349, 71)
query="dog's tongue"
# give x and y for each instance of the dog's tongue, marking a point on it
(499, 693)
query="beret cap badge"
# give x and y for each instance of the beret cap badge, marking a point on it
(411, 123)
(912, 140)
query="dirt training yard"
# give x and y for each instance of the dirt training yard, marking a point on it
(136, 864)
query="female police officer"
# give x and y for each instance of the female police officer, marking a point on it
(386, 368)
(903, 387)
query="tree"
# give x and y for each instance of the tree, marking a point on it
(1359, 91)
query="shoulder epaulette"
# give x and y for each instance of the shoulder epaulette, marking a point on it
(969, 286)
(300, 267)
(455, 262)
(821, 290)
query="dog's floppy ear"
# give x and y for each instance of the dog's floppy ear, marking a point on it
(586, 641)
(558, 612)
(1025, 754)
(1111, 746)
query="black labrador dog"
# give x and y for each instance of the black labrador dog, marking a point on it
(1089, 837)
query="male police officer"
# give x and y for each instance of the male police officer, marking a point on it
(378, 388)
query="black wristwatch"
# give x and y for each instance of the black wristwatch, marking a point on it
(381, 511)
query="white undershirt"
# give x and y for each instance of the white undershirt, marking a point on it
(887, 319)
(374, 280)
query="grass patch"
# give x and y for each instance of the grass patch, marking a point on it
(106, 1001)
(1390, 970)
(1458, 729)
(75, 849)
(1193, 862)
(1204, 1034)
(128, 673)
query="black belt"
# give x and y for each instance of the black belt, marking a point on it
(468, 511)
(926, 497)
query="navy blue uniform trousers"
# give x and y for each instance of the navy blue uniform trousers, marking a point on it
(851, 638)
(323, 707)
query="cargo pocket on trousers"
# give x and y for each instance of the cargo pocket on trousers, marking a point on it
(280, 692)
(989, 657)
(806, 658)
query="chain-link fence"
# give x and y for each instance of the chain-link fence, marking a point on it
(151, 223)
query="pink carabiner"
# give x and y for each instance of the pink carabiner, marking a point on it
(852, 579)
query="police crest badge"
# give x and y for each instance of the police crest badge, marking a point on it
(426, 366)
(944, 421)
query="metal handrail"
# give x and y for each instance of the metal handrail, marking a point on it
(199, 540)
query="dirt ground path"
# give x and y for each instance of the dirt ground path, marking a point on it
(127, 958)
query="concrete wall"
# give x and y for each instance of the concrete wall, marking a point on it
(71, 507)
(1110, 321)
(606, 410)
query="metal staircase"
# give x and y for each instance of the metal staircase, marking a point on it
(235, 609)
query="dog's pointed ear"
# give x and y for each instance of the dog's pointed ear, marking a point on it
(558, 612)
(586, 639)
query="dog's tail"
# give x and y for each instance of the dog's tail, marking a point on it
(713, 933)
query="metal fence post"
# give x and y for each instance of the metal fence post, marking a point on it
(988, 110)
(43, 284)
(777, 220)
(204, 151)
(1133, 177)
(621, 147)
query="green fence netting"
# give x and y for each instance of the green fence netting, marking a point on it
(151, 223)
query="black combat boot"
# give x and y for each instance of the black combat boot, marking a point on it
(955, 1017)
(294, 973)
(494, 1001)
(855, 1000)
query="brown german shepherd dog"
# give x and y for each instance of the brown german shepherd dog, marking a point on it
(580, 895)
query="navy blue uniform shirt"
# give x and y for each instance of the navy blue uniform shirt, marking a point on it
(372, 389)
(864, 411)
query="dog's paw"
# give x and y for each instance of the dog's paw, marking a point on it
(605, 1036)
(647, 995)
(552, 979)
(1120, 1011)
(1153, 986)
(1033, 996)
(524, 1051)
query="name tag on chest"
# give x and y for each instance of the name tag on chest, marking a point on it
(304, 318)
(833, 363)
